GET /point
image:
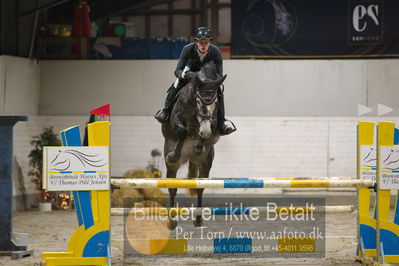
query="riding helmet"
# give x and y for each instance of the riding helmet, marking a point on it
(203, 33)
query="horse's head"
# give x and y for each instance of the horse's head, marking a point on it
(206, 87)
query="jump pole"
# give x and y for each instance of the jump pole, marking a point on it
(239, 183)
(266, 178)
(226, 210)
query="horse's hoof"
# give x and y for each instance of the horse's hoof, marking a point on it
(171, 224)
(198, 221)
(172, 158)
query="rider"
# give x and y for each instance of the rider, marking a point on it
(192, 58)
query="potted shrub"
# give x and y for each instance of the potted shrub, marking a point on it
(55, 199)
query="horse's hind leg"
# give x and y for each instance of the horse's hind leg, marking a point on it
(198, 218)
(193, 172)
(203, 173)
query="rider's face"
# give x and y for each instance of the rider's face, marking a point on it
(203, 45)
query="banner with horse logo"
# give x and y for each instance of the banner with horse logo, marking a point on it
(75, 168)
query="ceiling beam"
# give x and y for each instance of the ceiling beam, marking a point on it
(147, 26)
(44, 7)
(193, 18)
(221, 5)
(215, 19)
(160, 12)
(123, 6)
(203, 18)
(9, 27)
(170, 20)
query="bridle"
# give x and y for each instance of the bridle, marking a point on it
(206, 102)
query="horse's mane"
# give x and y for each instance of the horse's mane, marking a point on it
(208, 71)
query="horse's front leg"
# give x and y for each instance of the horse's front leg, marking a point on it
(174, 156)
(171, 173)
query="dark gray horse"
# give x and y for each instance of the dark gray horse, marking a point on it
(191, 131)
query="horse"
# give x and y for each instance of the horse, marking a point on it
(191, 132)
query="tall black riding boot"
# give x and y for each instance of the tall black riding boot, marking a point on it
(226, 127)
(164, 113)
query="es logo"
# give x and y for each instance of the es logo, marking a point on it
(361, 12)
(365, 22)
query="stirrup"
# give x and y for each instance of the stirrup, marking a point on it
(161, 116)
(226, 130)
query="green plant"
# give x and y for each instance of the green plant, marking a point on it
(46, 138)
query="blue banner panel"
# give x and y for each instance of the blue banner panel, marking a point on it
(314, 28)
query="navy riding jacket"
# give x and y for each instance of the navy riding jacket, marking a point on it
(190, 57)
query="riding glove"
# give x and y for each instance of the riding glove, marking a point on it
(189, 75)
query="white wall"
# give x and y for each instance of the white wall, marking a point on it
(253, 87)
(383, 83)
(284, 146)
(19, 95)
(131, 87)
(19, 86)
(262, 146)
(294, 117)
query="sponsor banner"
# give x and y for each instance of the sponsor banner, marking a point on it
(76, 168)
(290, 228)
(314, 29)
(368, 162)
(389, 167)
